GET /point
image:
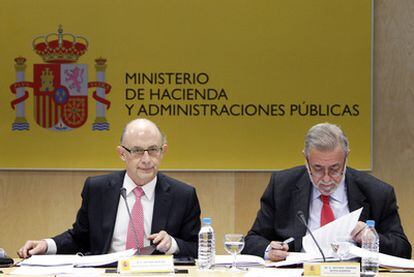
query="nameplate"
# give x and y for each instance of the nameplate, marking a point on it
(147, 264)
(331, 269)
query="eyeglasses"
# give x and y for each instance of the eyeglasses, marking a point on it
(333, 172)
(137, 152)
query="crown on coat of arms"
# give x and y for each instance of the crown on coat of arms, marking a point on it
(60, 47)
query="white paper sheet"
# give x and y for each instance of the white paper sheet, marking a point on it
(53, 270)
(50, 260)
(242, 260)
(384, 259)
(76, 260)
(285, 272)
(341, 227)
(301, 257)
(97, 260)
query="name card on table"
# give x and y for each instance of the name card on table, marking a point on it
(331, 269)
(147, 264)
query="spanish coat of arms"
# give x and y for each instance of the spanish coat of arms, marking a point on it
(60, 85)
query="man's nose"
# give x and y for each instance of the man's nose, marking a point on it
(145, 157)
(326, 177)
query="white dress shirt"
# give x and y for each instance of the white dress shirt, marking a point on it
(122, 218)
(338, 201)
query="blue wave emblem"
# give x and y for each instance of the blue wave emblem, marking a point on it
(20, 126)
(100, 126)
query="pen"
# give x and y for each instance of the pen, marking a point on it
(287, 241)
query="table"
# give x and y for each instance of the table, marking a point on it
(193, 271)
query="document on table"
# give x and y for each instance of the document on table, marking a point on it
(341, 227)
(299, 258)
(242, 260)
(76, 260)
(385, 260)
(54, 270)
(98, 260)
(280, 272)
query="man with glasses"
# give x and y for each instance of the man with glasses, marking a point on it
(164, 211)
(324, 190)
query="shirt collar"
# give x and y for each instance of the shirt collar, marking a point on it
(148, 189)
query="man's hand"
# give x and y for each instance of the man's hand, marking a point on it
(162, 240)
(278, 251)
(32, 247)
(358, 231)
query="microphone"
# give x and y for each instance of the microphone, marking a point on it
(123, 194)
(302, 220)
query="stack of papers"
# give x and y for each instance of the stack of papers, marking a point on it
(280, 272)
(341, 227)
(242, 260)
(385, 260)
(55, 270)
(68, 264)
(301, 257)
(76, 260)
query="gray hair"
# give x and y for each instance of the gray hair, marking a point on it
(163, 137)
(325, 137)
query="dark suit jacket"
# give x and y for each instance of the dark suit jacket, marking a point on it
(290, 190)
(176, 210)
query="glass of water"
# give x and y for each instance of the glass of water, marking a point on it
(234, 244)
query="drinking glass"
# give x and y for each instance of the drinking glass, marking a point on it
(341, 246)
(234, 244)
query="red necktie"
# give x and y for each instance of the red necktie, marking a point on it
(138, 220)
(326, 212)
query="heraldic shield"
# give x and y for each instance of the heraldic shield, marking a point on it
(60, 85)
(61, 95)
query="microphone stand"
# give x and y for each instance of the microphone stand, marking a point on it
(302, 220)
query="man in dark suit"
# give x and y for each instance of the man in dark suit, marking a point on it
(165, 211)
(324, 189)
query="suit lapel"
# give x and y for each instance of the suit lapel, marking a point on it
(301, 197)
(356, 199)
(110, 202)
(162, 204)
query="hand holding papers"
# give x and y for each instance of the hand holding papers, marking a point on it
(339, 228)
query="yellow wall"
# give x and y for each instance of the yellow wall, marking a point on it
(40, 204)
(274, 75)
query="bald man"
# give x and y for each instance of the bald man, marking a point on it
(165, 211)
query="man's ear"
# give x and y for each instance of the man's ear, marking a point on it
(121, 153)
(164, 148)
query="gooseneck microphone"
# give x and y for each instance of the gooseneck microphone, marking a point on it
(302, 220)
(123, 194)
